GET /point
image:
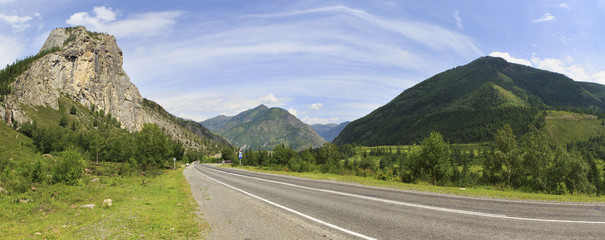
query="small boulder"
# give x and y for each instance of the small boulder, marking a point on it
(107, 202)
(94, 180)
(3, 191)
(91, 206)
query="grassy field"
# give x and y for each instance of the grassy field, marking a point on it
(567, 126)
(483, 191)
(143, 208)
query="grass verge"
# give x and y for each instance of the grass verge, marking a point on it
(481, 191)
(158, 207)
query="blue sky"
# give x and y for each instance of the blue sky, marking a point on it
(325, 61)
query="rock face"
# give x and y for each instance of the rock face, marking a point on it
(87, 69)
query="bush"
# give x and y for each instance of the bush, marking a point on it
(63, 121)
(72, 110)
(68, 168)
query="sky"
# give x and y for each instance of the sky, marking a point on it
(325, 61)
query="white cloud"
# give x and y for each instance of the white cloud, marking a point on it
(104, 13)
(564, 5)
(18, 23)
(511, 59)
(103, 19)
(547, 17)
(331, 54)
(10, 49)
(292, 111)
(458, 20)
(564, 66)
(201, 106)
(569, 68)
(598, 77)
(313, 120)
(315, 106)
(426, 34)
(269, 99)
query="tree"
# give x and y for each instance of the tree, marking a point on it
(63, 121)
(506, 151)
(152, 147)
(228, 154)
(74, 126)
(432, 158)
(577, 179)
(537, 160)
(594, 174)
(282, 155)
(68, 168)
(329, 157)
(72, 110)
(97, 145)
(456, 159)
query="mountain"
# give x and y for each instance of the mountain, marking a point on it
(83, 67)
(329, 131)
(264, 127)
(468, 103)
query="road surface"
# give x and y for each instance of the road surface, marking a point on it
(380, 213)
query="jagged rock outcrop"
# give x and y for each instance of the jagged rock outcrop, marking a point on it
(87, 69)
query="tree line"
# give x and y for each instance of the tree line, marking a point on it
(532, 162)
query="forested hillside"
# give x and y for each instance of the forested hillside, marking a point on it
(263, 128)
(329, 131)
(468, 103)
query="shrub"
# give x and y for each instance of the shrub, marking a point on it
(63, 121)
(68, 168)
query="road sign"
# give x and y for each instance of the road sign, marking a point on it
(240, 155)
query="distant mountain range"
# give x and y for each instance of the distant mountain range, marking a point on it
(468, 103)
(329, 131)
(263, 128)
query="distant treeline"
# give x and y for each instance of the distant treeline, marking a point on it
(530, 163)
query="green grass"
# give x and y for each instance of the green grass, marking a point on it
(47, 116)
(567, 126)
(14, 145)
(482, 191)
(465, 147)
(510, 98)
(143, 208)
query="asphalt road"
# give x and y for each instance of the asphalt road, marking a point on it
(381, 213)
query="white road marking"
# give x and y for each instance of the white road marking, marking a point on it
(291, 210)
(451, 210)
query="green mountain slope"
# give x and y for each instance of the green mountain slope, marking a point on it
(329, 131)
(468, 103)
(264, 127)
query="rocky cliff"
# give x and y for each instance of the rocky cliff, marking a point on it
(87, 68)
